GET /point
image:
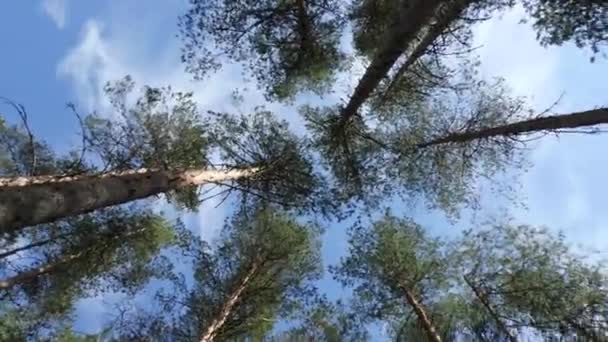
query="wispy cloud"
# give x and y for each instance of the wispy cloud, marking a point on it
(57, 11)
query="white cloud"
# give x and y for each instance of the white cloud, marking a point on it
(560, 191)
(510, 50)
(89, 65)
(56, 10)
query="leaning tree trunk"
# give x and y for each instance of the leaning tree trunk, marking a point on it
(227, 307)
(414, 14)
(447, 15)
(28, 201)
(423, 318)
(550, 123)
(33, 245)
(28, 276)
(486, 304)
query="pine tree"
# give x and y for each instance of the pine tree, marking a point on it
(111, 250)
(395, 269)
(261, 269)
(160, 146)
(527, 278)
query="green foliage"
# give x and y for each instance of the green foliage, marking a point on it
(371, 19)
(355, 163)
(287, 176)
(260, 269)
(559, 21)
(161, 130)
(114, 249)
(21, 156)
(287, 46)
(534, 280)
(382, 154)
(287, 255)
(326, 322)
(387, 259)
(494, 284)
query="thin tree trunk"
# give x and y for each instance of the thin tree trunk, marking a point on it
(33, 245)
(27, 276)
(550, 123)
(26, 201)
(423, 318)
(447, 16)
(226, 309)
(482, 298)
(414, 14)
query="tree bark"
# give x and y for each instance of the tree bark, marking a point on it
(550, 123)
(424, 319)
(484, 301)
(227, 307)
(447, 16)
(26, 276)
(414, 14)
(26, 201)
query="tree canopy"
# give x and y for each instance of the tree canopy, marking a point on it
(420, 123)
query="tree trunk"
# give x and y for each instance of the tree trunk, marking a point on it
(414, 14)
(484, 301)
(26, 276)
(33, 245)
(28, 201)
(423, 318)
(93, 241)
(227, 307)
(448, 14)
(550, 123)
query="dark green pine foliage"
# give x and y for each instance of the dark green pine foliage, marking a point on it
(528, 280)
(162, 129)
(583, 22)
(287, 46)
(260, 270)
(60, 263)
(498, 283)
(382, 154)
(327, 322)
(288, 177)
(396, 271)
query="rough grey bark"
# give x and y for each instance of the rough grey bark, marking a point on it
(448, 13)
(413, 16)
(227, 307)
(26, 201)
(423, 318)
(550, 123)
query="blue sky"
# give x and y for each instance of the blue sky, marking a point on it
(58, 51)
